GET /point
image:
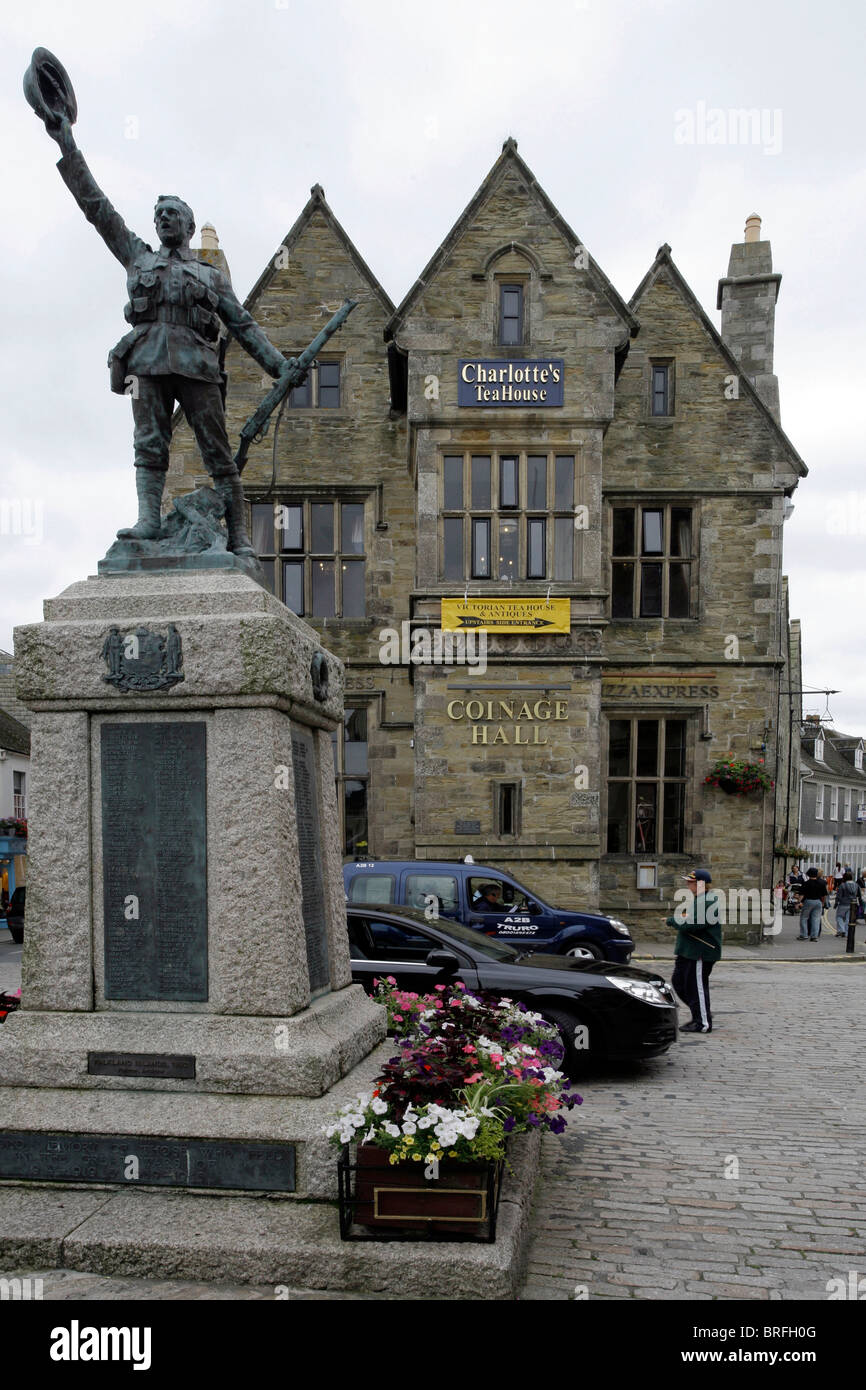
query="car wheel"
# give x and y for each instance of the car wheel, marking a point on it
(17, 933)
(585, 952)
(565, 1025)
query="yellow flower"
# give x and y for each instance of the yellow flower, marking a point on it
(452, 1153)
(417, 1158)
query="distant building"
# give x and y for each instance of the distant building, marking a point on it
(14, 791)
(599, 484)
(832, 797)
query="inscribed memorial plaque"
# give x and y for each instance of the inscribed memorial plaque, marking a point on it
(136, 1159)
(154, 857)
(310, 854)
(164, 1065)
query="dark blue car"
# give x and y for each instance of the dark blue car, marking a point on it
(490, 901)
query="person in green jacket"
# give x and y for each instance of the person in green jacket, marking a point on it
(698, 946)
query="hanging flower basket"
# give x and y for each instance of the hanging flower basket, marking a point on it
(738, 778)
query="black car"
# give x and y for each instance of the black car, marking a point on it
(601, 1010)
(15, 915)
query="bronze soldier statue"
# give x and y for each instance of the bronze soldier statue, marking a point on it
(176, 304)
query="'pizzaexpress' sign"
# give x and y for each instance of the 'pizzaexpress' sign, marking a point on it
(484, 381)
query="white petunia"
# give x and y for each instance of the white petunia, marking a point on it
(379, 1106)
(391, 1129)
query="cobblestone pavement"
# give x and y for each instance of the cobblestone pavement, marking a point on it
(635, 1200)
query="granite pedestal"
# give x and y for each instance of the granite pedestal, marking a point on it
(186, 973)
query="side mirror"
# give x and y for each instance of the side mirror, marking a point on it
(446, 961)
(532, 907)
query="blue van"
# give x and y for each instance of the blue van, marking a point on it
(490, 901)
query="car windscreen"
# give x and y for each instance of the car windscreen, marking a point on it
(485, 945)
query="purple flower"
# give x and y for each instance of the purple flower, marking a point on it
(508, 1124)
(557, 1124)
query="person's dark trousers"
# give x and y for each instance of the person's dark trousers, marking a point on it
(691, 980)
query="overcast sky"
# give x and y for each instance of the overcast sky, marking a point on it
(399, 108)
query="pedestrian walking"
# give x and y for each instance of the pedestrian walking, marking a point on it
(847, 900)
(813, 900)
(697, 948)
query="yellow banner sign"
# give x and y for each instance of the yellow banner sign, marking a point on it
(526, 615)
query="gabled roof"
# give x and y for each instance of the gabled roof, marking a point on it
(509, 157)
(835, 763)
(14, 736)
(664, 262)
(317, 203)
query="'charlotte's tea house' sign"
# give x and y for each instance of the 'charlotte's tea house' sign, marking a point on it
(523, 383)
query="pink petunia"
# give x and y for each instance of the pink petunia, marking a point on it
(440, 987)
(398, 1018)
(476, 1076)
(469, 1048)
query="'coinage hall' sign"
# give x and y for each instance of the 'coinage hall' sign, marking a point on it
(515, 383)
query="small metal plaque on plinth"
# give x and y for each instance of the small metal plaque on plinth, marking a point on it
(467, 827)
(310, 854)
(154, 859)
(161, 1065)
(144, 1160)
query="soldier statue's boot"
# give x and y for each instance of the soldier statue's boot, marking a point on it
(149, 484)
(231, 490)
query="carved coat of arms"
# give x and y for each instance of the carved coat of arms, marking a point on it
(143, 660)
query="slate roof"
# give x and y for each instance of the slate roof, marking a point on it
(14, 736)
(838, 760)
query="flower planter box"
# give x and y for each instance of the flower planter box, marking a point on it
(461, 1201)
(728, 785)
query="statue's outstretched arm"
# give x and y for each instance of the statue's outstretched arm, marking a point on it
(121, 242)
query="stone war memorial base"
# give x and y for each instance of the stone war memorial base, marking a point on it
(189, 1022)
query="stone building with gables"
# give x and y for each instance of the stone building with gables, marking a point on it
(583, 497)
(832, 797)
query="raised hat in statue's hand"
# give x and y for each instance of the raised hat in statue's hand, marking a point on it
(48, 89)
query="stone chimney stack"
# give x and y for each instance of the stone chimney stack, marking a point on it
(747, 299)
(210, 250)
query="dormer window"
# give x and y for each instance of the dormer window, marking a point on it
(819, 748)
(858, 757)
